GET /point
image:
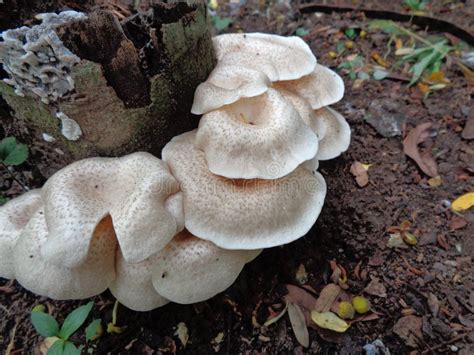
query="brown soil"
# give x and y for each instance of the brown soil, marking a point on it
(352, 229)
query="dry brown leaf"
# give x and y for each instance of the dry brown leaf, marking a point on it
(468, 131)
(298, 323)
(441, 239)
(360, 172)
(457, 223)
(433, 304)
(303, 299)
(326, 298)
(408, 328)
(376, 288)
(424, 159)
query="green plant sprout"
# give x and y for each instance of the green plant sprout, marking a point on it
(12, 153)
(352, 66)
(416, 5)
(427, 58)
(47, 326)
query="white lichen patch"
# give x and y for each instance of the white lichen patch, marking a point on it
(69, 128)
(48, 138)
(36, 59)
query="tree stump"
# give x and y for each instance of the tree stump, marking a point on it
(133, 83)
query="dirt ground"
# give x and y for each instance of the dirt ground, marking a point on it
(422, 296)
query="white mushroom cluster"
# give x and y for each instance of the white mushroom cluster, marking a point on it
(265, 108)
(181, 229)
(36, 59)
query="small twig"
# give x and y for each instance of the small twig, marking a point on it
(11, 344)
(24, 187)
(447, 342)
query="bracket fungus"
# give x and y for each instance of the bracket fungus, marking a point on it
(181, 229)
(132, 190)
(37, 60)
(223, 210)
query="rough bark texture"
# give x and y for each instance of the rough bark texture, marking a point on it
(134, 84)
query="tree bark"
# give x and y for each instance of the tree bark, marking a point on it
(134, 84)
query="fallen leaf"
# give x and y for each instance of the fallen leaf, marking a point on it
(303, 299)
(366, 317)
(377, 259)
(182, 333)
(424, 159)
(329, 320)
(468, 131)
(441, 239)
(359, 170)
(457, 223)
(276, 318)
(463, 202)
(326, 298)
(396, 241)
(408, 328)
(298, 323)
(376, 288)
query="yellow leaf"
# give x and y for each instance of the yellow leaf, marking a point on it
(436, 76)
(435, 181)
(398, 43)
(404, 51)
(463, 202)
(423, 88)
(366, 166)
(380, 61)
(329, 320)
(437, 87)
(409, 238)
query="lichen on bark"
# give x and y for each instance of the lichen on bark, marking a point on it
(134, 84)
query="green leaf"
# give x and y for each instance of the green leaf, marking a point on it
(70, 349)
(11, 152)
(93, 330)
(388, 26)
(340, 47)
(350, 33)
(45, 324)
(221, 23)
(74, 320)
(301, 31)
(420, 67)
(57, 348)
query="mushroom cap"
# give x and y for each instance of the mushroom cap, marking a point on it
(337, 133)
(42, 277)
(243, 214)
(321, 88)
(333, 131)
(226, 84)
(291, 56)
(260, 137)
(190, 269)
(14, 216)
(131, 189)
(133, 287)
